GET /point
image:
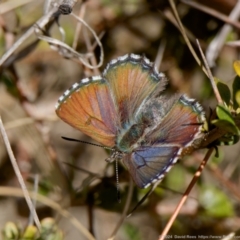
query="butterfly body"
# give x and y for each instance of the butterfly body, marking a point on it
(125, 109)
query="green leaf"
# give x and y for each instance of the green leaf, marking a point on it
(224, 114)
(225, 120)
(223, 90)
(225, 125)
(215, 202)
(30, 233)
(236, 66)
(236, 89)
(10, 231)
(49, 230)
(237, 97)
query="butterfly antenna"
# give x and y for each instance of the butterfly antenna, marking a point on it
(93, 144)
(117, 181)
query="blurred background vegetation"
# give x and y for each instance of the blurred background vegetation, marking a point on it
(75, 175)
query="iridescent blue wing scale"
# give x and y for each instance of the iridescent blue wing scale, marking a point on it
(149, 164)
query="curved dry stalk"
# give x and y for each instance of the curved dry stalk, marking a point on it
(19, 122)
(217, 43)
(16, 192)
(160, 53)
(10, 5)
(41, 23)
(19, 176)
(96, 38)
(212, 12)
(81, 14)
(185, 195)
(181, 28)
(61, 47)
(90, 49)
(69, 52)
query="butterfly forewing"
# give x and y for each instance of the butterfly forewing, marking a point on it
(89, 107)
(132, 79)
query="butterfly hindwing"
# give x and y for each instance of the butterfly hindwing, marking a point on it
(88, 106)
(149, 164)
(180, 125)
(173, 128)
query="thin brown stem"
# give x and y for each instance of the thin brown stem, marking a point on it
(210, 76)
(82, 12)
(182, 30)
(185, 195)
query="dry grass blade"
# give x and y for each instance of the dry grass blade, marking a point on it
(82, 12)
(18, 174)
(36, 184)
(233, 43)
(41, 23)
(90, 49)
(212, 12)
(97, 41)
(61, 47)
(210, 76)
(10, 5)
(160, 53)
(69, 52)
(217, 43)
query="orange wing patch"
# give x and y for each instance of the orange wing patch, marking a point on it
(89, 107)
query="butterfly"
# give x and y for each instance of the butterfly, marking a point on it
(126, 109)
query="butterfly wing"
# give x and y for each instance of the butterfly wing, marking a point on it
(149, 164)
(165, 142)
(89, 107)
(132, 79)
(181, 125)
